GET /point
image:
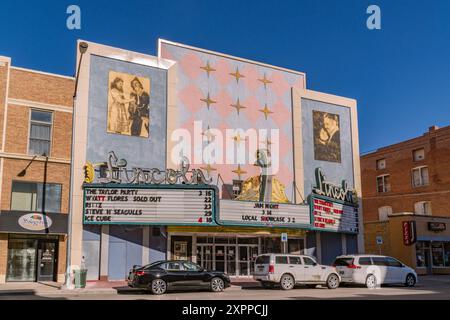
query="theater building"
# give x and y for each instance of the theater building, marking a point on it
(35, 139)
(198, 155)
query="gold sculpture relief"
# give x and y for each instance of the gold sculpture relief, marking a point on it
(251, 190)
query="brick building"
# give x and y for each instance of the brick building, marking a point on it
(410, 182)
(35, 151)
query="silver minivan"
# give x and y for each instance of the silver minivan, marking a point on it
(287, 270)
(374, 270)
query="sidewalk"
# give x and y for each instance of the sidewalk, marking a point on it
(92, 287)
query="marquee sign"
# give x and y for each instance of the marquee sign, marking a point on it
(332, 215)
(249, 213)
(150, 204)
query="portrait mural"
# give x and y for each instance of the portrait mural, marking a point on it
(128, 104)
(327, 137)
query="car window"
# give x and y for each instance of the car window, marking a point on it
(151, 265)
(379, 261)
(309, 261)
(393, 262)
(263, 260)
(366, 261)
(189, 266)
(295, 260)
(281, 260)
(171, 266)
(343, 262)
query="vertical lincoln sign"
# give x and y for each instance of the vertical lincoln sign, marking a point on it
(409, 232)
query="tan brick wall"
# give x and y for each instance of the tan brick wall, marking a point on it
(371, 231)
(399, 163)
(41, 88)
(3, 85)
(56, 173)
(3, 256)
(18, 126)
(62, 258)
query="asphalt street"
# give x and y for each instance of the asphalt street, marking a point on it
(429, 288)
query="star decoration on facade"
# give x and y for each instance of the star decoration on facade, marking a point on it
(239, 171)
(208, 68)
(238, 138)
(266, 111)
(208, 134)
(208, 169)
(265, 81)
(237, 75)
(238, 106)
(208, 101)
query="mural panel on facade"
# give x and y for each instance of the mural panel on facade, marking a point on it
(327, 136)
(128, 104)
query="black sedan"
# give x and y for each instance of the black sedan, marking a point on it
(161, 276)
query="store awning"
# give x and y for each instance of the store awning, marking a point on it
(433, 238)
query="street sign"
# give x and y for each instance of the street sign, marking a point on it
(379, 240)
(284, 237)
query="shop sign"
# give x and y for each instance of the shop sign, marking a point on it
(409, 233)
(330, 215)
(249, 213)
(437, 226)
(35, 222)
(329, 190)
(114, 170)
(150, 204)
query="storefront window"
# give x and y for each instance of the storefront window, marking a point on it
(447, 254)
(437, 252)
(421, 261)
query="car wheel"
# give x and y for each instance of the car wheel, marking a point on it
(158, 286)
(371, 281)
(217, 285)
(287, 282)
(410, 280)
(333, 281)
(267, 285)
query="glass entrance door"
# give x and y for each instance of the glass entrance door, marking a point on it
(205, 256)
(247, 256)
(46, 260)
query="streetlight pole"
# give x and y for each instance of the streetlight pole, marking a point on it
(82, 47)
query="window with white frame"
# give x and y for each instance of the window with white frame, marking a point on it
(383, 183)
(40, 132)
(381, 164)
(419, 154)
(420, 176)
(384, 212)
(422, 208)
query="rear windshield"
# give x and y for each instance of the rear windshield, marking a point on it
(263, 260)
(343, 262)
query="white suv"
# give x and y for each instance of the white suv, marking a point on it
(374, 270)
(288, 270)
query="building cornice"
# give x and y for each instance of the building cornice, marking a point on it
(18, 156)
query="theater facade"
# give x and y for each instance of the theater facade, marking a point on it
(202, 156)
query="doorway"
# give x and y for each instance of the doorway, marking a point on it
(31, 260)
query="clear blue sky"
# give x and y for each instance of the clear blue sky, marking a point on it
(400, 75)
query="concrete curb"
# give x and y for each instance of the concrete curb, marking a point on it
(21, 292)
